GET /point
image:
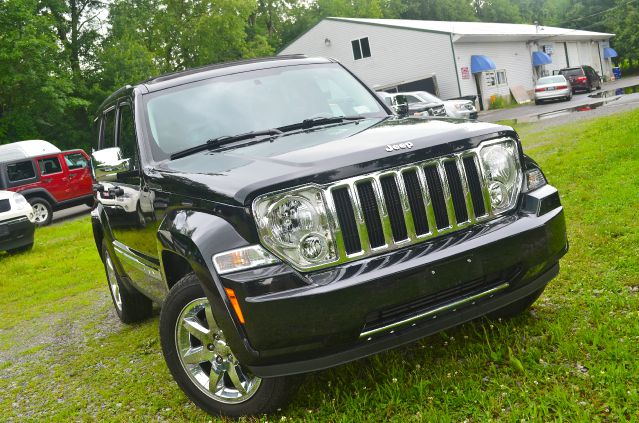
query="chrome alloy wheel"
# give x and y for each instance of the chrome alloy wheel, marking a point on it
(207, 359)
(113, 283)
(40, 212)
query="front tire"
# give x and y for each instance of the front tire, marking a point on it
(42, 210)
(130, 307)
(203, 365)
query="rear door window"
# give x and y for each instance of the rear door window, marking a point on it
(49, 166)
(75, 161)
(20, 171)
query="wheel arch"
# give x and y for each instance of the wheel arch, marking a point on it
(187, 241)
(42, 193)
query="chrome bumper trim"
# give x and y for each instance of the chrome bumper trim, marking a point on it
(433, 312)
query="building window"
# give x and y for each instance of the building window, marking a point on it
(501, 77)
(361, 48)
(495, 78)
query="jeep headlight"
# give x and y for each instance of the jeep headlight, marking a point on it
(294, 225)
(502, 171)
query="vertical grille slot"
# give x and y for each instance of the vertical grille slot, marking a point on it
(474, 185)
(456, 191)
(394, 207)
(436, 192)
(370, 211)
(416, 202)
(346, 219)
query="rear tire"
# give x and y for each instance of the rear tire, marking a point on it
(516, 308)
(130, 306)
(42, 210)
(197, 355)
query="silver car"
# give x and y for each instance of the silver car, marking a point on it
(552, 88)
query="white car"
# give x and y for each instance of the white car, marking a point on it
(461, 109)
(554, 87)
(17, 222)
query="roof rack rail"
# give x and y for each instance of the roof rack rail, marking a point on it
(171, 75)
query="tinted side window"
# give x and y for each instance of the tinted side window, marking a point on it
(109, 130)
(75, 161)
(49, 166)
(20, 171)
(126, 136)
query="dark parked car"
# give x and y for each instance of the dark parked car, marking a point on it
(297, 224)
(582, 78)
(51, 181)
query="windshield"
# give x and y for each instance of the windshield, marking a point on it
(551, 80)
(188, 115)
(572, 72)
(428, 97)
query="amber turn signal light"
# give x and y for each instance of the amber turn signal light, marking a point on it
(236, 305)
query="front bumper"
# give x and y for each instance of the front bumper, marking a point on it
(297, 323)
(16, 233)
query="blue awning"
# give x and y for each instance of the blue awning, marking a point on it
(480, 63)
(539, 58)
(609, 52)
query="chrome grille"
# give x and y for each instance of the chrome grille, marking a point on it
(407, 205)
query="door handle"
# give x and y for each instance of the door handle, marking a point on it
(48, 180)
(71, 175)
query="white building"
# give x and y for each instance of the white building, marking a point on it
(453, 59)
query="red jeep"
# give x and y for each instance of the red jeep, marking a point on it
(50, 182)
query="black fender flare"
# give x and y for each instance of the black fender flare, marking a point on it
(40, 192)
(197, 236)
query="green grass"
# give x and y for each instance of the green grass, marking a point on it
(572, 358)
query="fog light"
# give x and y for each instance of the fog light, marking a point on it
(313, 247)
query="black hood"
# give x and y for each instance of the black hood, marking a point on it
(235, 176)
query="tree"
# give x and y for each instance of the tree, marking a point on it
(439, 10)
(498, 11)
(35, 90)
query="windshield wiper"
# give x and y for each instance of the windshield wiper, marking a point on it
(318, 121)
(224, 139)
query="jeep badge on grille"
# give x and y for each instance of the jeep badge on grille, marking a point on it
(402, 146)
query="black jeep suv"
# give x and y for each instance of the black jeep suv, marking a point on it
(288, 222)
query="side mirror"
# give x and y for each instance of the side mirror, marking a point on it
(401, 105)
(108, 163)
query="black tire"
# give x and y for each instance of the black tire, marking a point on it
(537, 102)
(589, 88)
(516, 308)
(42, 209)
(131, 307)
(22, 249)
(269, 395)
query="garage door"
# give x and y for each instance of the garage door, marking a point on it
(426, 84)
(573, 54)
